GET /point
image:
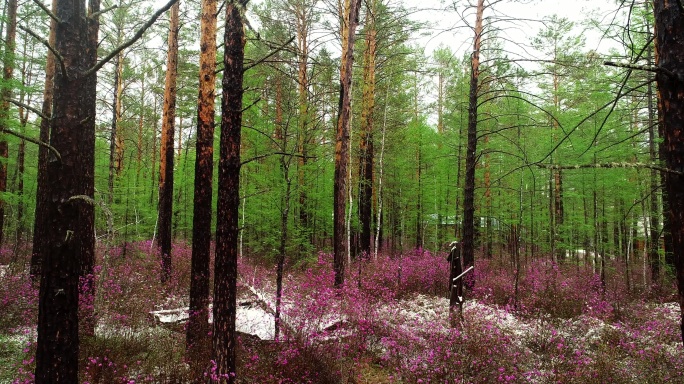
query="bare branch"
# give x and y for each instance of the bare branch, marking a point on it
(97, 14)
(255, 158)
(135, 38)
(30, 108)
(255, 102)
(278, 49)
(646, 68)
(48, 11)
(47, 44)
(609, 165)
(34, 141)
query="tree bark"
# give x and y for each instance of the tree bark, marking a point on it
(198, 325)
(87, 167)
(166, 145)
(303, 20)
(225, 270)
(40, 224)
(669, 32)
(281, 140)
(471, 147)
(5, 96)
(71, 135)
(654, 236)
(350, 21)
(115, 141)
(366, 155)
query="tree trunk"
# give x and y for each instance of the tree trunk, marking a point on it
(166, 145)
(26, 80)
(471, 158)
(366, 155)
(669, 31)
(303, 26)
(225, 270)
(87, 167)
(351, 14)
(379, 222)
(115, 141)
(5, 96)
(281, 140)
(72, 137)
(40, 223)
(197, 338)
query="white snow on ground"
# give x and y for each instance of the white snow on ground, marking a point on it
(253, 320)
(250, 318)
(170, 316)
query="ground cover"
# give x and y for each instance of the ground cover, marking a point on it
(388, 324)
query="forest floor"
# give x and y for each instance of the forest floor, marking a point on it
(389, 324)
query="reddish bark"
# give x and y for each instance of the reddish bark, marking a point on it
(197, 337)
(366, 142)
(166, 154)
(351, 14)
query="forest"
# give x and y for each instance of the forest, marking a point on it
(316, 191)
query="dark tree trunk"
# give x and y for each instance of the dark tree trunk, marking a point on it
(40, 224)
(669, 31)
(366, 144)
(87, 159)
(351, 14)
(198, 325)
(455, 287)
(72, 137)
(166, 156)
(471, 148)
(281, 141)
(225, 270)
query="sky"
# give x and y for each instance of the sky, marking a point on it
(525, 18)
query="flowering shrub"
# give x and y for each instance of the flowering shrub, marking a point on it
(388, 323)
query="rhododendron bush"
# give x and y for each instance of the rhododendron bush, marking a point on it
(388, 324)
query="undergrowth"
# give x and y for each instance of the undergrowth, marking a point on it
(388, 324)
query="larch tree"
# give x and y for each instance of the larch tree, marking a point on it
(40, 224)
(655, 208)
(562, 50)
(471, 146)
(58, 337)
(166, 153)
(5, 95)
(70, 180)
(25, 97)
(349, 23)
(115, 137)
(197, 336)
(366, 150)
(669, 42)
(225, 263)
(304, 13)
